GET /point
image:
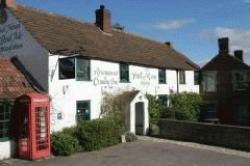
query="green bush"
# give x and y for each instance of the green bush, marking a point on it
(64, 144)
(95, 134)
(185, 106)
(154, 109)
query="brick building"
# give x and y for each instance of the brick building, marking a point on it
(225, 87)
(13, 84)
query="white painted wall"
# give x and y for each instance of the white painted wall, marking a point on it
(7, 149)
(65, 93)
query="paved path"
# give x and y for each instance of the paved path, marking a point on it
(144, 153)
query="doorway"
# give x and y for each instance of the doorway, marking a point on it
(139, 118)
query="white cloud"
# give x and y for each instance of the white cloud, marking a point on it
(239, 38)
(246, 1)
(173, 24)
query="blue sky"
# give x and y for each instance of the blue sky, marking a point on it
(192, 26)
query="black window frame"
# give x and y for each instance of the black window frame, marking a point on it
(162, 76)
(75, 71)
(5, 122)
(88, 78)
(182, 73)
(80, 115)
(60, 68)
(161, 99)
(196, 77)
(124, 73)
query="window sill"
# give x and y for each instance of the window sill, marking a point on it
(123, 82)
(5, 139)
(84, 80)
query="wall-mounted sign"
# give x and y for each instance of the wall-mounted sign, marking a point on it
(145, 77)
(11, 33)
(105, 77)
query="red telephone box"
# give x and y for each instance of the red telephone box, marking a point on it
(33, 121)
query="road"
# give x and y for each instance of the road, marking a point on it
(143, 153)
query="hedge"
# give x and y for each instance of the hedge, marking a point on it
(86, 136)
(96, 134)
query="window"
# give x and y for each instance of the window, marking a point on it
(162, 76)
(182, 77)
(74, 67)
(124, 72)
(241, 80)
(5, 110)
(241, 113)
(82, 69)
(208, 111)
(196, 78)
(42, 141)
(209, 81)
(163, 101)
(67, 68)
(83, 110)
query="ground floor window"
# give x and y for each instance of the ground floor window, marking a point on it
(163, 103)
(241, 113)
(83, 110)
(5, 110)
(208, 111)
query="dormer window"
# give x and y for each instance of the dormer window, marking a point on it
(74, 67)
(67, 68)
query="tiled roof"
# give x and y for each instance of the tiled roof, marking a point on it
(12, 82)
(62, 35)
(225, 62)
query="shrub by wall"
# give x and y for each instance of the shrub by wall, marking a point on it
(64, 144)
(96, 134)
(86, 136)
(153, 109)
(212, 134)
(185, 106)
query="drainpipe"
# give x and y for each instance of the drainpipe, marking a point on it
(177, 86)
(177, 80)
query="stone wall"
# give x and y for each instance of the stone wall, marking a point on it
(212, 134)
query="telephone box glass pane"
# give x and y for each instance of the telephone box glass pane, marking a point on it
(41, 128)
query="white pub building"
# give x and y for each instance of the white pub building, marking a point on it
(77, 63)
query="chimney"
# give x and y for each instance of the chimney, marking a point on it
(8, 3)
(103, 19)
(223, 45)
(239, 54)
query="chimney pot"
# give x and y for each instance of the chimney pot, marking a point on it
(223, 45)
(102, 7)
(8, 3)
(239, 54)
(103, 19)
(168, 43)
